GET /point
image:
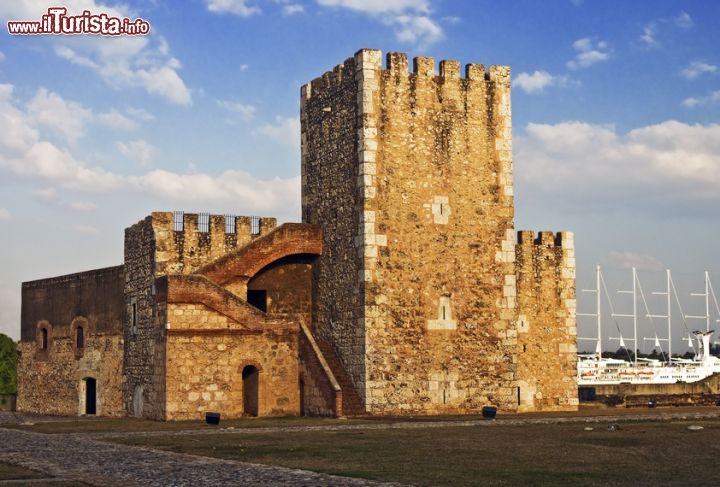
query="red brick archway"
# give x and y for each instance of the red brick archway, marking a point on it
(286, 240)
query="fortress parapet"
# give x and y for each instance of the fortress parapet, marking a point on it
(547, 323)
(186, 241)
(397, 66)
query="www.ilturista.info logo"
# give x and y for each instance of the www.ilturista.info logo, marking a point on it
(56, 21)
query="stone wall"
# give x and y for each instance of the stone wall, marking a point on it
(212, 336)
(55, 362)
(55, 384)
(144, 360)
(547, 327)
(182, 248)
(329, 119)
(205, 371)
(163, 244)
(410, 175)
(287, 285)
(191, 334)
(320, 394)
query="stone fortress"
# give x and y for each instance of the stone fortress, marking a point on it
(404, 291)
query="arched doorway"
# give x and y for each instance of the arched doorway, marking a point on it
(250, 380)
(90, 395)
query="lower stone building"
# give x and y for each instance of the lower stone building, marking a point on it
(71, 344)
(222, 334)
(406, 289)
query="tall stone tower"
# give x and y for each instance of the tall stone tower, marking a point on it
(410, 175)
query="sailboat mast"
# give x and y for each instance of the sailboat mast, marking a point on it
(669, 317)
(634, 293)
(599, 318)
(707, 301)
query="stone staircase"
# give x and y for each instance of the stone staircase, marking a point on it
(351, 403)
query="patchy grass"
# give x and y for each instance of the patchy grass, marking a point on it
(16, 475)
(131, 425)
(646, 450)
(14, 472)
(642, 453)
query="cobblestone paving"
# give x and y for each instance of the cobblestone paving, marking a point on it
(84, 458)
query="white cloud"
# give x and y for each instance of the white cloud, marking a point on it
(246, 112)
(670, 162)
(139, 114)
(122, 61)
(237, 187)
(286, 130)
(648, 36)
(651, 30)
(704, 101)
(82, 205)
(5, 215)
(64, 117)
(416, 29)
(588, 52)
(235, 7)
(697, 68)
(292, 9)
(16, 133)
(45, 194)
(2, 57)
(85, 229)
(683, 20)
(116, 120)
(138, 151)
(26, 155)
(630, 260)
(538, 81)
(379, 6)
(410, 18)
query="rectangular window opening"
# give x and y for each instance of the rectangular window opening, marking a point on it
(79, 337)
(258, 298)
(203, 222)
(254, 225)
(230, 224)
(133, 318)
(178, 221)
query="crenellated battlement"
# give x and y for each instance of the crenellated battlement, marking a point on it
(548, 260)
(546, 239)
(184, 242)
(396, 65)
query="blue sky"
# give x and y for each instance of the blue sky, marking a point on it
(616, 110)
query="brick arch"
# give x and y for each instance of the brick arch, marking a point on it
(287, 240)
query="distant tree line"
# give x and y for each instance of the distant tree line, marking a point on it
(8, 365)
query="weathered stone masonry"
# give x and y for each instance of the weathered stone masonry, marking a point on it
(194, 333)
(547, 328)
(406, 290)
(79, 318)
(417, 291)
